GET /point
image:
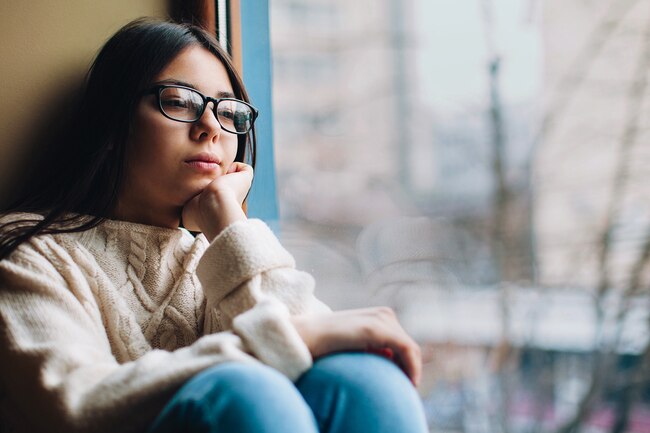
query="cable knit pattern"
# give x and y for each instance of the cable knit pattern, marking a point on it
(99, 328)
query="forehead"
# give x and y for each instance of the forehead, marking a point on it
(197, 66)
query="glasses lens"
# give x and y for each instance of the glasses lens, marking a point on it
(234, 116)
(181, 104)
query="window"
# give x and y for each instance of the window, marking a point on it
(483, 171)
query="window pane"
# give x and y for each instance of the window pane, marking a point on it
(483, 168)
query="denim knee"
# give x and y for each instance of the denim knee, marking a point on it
(236, 397)
(351, 390)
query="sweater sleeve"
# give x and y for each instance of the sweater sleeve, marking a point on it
(58, 372)
(252, 287)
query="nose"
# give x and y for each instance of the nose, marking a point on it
(207, 126)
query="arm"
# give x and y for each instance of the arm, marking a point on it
(250, 283)
(251, 286)
(56, 364)
(254, 286)
(249, 280)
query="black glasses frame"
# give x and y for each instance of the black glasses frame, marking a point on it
(157, 90)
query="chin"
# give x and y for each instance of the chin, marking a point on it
(198, 187)
(188, 190)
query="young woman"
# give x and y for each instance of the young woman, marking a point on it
(115, 319)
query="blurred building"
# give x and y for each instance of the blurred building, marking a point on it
(593, 162)
(344, 129)
(365, 136)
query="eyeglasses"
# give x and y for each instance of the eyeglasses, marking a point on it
(185, 104)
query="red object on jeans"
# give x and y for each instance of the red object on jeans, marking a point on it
(384, 351)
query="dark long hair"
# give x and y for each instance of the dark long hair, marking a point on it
(76, 186)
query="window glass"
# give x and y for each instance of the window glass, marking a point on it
(482, 167)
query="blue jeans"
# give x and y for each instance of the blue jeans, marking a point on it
(341, 393)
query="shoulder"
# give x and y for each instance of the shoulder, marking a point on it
(40, 249)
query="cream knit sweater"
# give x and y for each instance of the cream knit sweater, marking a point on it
(99, 328)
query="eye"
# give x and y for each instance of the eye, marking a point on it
(176, 102)
(180, 101)
(226, 113)
(234, 116)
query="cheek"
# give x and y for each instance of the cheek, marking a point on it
(151, 150)
(230, 147)
(142, 135)
(142, 152)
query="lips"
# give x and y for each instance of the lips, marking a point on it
(205, 157)
(204, 162)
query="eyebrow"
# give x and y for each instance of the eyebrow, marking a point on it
(221, 94)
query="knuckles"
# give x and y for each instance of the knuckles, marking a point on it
(385, 313)
(368, 331)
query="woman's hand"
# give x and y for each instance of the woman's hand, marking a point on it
(370, 329)
(220, 203)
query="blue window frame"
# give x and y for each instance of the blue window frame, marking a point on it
(256, 60)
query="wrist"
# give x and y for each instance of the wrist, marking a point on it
(302, 325)
(220, 211)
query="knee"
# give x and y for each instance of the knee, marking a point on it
(236, 384)
(362, 370)
(245, 397)
(372, 378)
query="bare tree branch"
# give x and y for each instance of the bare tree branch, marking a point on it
(636, 96)
(566, 89)
(605, 356)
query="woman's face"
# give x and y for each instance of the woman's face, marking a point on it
(169, 162)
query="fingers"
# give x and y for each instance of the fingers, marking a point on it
(238, 178)
(375, 330)
(406, 351)
(410, 360)
(239, 167)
